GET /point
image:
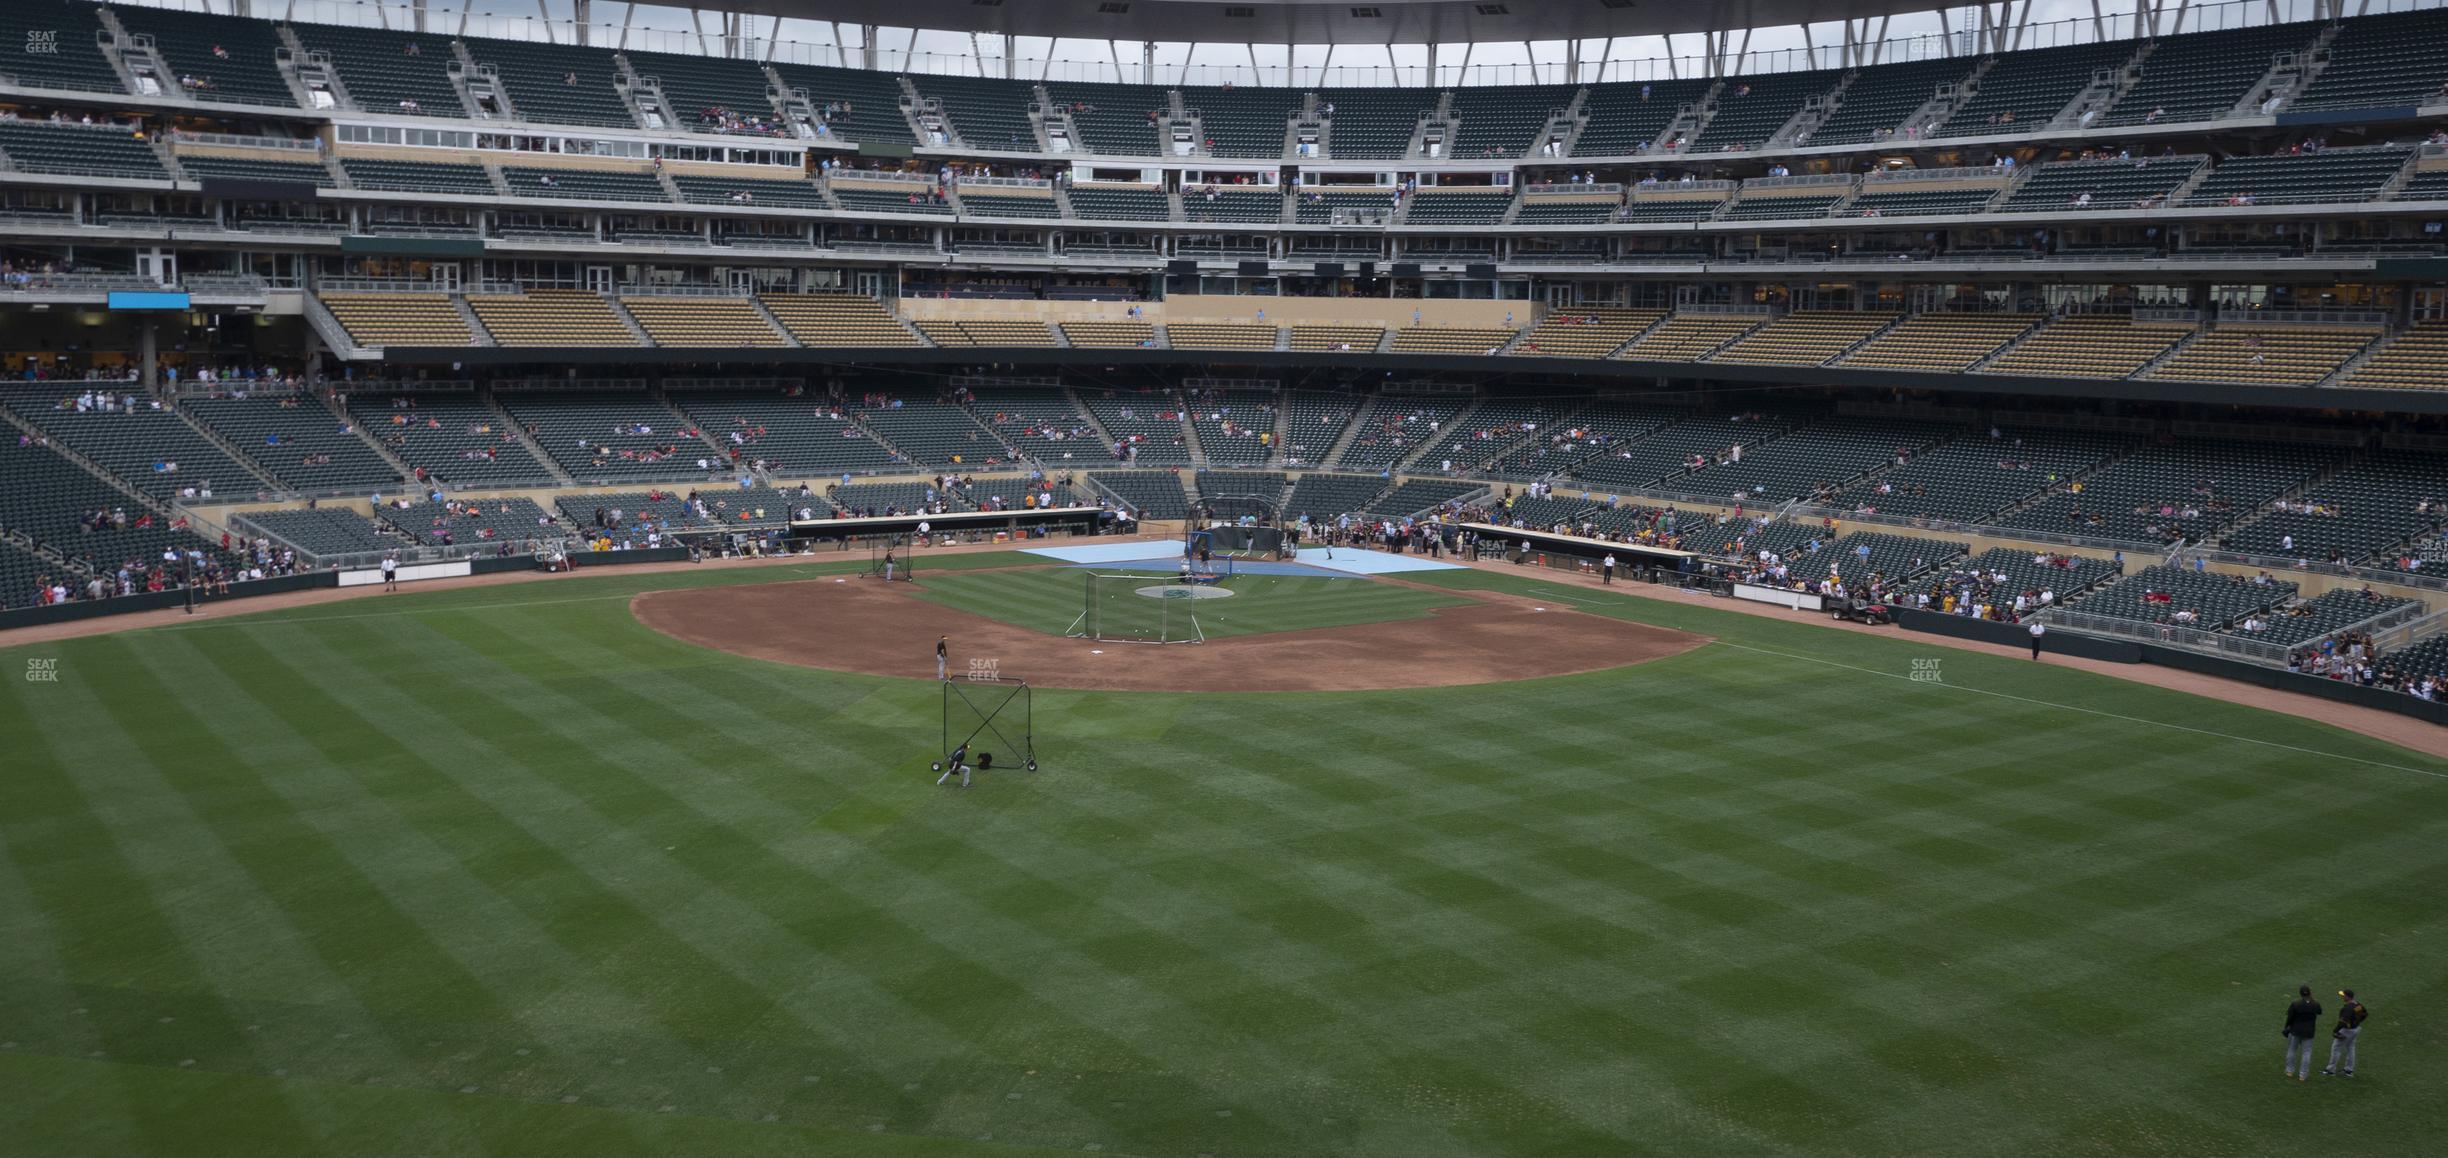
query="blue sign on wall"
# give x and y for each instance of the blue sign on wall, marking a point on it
(133, 300)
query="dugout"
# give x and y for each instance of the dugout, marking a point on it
(1654, 564)
(968, 525)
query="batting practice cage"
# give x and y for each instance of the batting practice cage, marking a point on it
(993, 718)
(1146, 607)
(891, 557)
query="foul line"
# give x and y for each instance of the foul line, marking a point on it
(2090, 711)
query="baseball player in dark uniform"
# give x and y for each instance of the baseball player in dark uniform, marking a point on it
(2342, 1039)
(941, 649)
(958, 761)
(2302, 1024)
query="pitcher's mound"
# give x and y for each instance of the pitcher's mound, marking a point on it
(878, 629)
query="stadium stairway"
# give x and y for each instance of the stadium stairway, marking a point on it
(510, 423)
(330, 401)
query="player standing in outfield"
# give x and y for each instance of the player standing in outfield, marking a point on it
(888, 564)
(942, 647)
(390, 569)
(2342, 1039)
(2302, 1021)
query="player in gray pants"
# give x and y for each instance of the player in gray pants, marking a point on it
(2342, 1039)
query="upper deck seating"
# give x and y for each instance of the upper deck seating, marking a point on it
(1625, 117)
(988, 112)
(1112, 119)
(1881, 97)
(69, 36)
(388, 71)
(1242, 122)
(1372, 124)
(856, 104)
(2199, 76)
(2381, 61)
(558, 84)
(1751, 109)
(1504, 121)
(2024, 90)
(710, 93)
(216, 59)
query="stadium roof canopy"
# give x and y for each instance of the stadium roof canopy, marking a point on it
(1338, 22)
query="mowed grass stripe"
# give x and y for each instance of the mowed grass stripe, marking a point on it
(130, 965)
(951, 991)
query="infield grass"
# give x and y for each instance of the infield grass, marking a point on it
(501, 871)
(1050, 600)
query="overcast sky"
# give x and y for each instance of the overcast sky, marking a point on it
(671, 29)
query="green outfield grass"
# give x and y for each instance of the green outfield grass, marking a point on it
(500, 871)
(1049, 600)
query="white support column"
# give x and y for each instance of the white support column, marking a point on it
(2022, 25)
(581, 13)
(544, 13)
(419, 8)
(1878, 44)
(1607, 60)
(867, 46)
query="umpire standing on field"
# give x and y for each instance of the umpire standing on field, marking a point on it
(1609, 566)
(2302, 1026)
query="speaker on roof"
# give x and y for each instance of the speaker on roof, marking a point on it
(1181, 265)
(1255, 269)
(1480, 269)
(1406, 269)
(1328, 269)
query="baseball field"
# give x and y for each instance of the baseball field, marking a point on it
(652, 863)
